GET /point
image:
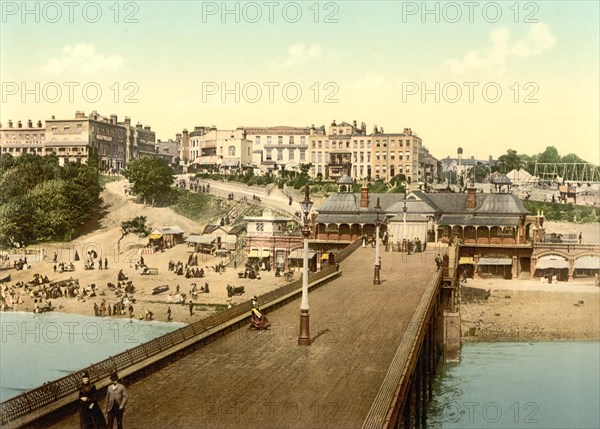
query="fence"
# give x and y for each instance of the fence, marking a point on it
(61, 392)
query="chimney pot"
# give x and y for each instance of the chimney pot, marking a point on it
(10, 123)
(364, 197)
(471, 197)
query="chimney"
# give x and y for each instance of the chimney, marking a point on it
(354, 124)
(39, 124)
(374, 129)
(29, 123)
(185, 132)
(408, 131)
(10, 123)
(79, 114)
(363, 128)
(364, 197)
(471, 197)
(113, 119)
(19, 124)
(147, 128)
(127, 121)
(138, 126)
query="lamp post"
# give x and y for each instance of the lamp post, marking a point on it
(304, 338)
(404, 225)
(376, 279)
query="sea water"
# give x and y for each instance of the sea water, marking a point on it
(35, 349)
(519, 385)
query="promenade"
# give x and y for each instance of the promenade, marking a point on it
(263, 379)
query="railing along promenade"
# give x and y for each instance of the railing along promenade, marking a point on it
(51, 396)
(390, 402)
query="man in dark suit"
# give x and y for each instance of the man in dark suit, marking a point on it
(116, 398)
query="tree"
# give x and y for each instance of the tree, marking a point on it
(137, 226)
(572, 158)
(510, 161)
(152, 178)
(550, 155)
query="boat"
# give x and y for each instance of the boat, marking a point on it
(160, 289)
(5, 278)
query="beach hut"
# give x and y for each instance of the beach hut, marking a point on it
(166, 236)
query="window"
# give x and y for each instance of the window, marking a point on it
(291, 139)
(66, 128)
(362, 144)
(320, 144)
(320, 159)
(302, 140)
(231, 151)
(400, 143)
(279, 154)
(355, 144)
(314, 144)
(54, 128)
(407, 168)
(268, 155)
(302, 155)
(290, 154)
(376, 143)
(257, 140)
(260, 227)
(279, 139)
(312, 158)
(326, 144)
(407, 143)
(268, 139)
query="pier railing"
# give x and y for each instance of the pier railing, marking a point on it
(37, 402)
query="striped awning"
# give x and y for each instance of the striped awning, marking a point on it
(494, 261)
(155, 236)
(552, 261)
(299, 254)
(466, 260)
(588, 263)
(207, 160)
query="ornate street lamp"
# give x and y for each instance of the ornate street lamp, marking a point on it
(376, 279)
(304, 338)
(404, 243)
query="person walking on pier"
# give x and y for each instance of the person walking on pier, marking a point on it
(90, 415)
(116, 399)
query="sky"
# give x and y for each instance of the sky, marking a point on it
(484, 76)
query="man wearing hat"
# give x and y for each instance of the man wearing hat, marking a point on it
(116, 398)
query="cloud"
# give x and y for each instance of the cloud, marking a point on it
(83, 59)
(494, 58)
(369, 82)
(299, 55)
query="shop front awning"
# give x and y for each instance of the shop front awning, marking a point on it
(588, 263)
(556, 262)
(494, 261)
(466, 260)
(299, 254)
(207, 160)
(230, 162)
(259, 253)
(155, 236)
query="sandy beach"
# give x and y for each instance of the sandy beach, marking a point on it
(527, 310)
(103, 240)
